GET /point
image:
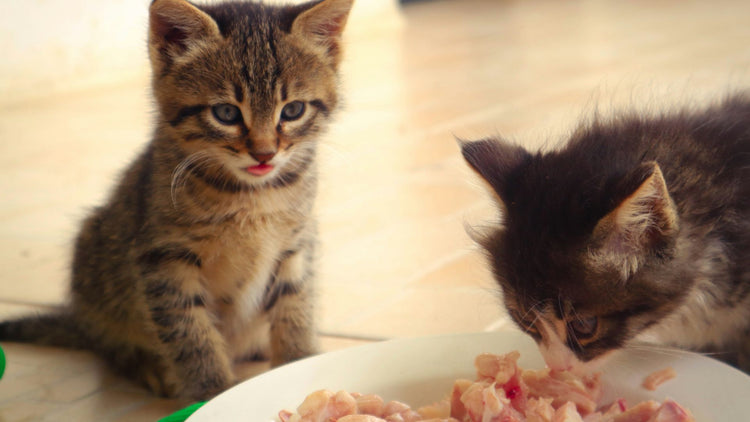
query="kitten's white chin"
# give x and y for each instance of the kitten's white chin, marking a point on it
(559, 357)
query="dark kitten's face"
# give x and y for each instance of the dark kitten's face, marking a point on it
(245, 88)
(579, 251)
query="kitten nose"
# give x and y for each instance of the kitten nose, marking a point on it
(262, 156)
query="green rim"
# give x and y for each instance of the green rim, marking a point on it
(183, 414)
(2, 362)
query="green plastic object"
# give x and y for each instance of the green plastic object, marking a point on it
(2, 362)
(183, 414)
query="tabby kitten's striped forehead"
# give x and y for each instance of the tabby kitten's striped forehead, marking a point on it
(243, 86)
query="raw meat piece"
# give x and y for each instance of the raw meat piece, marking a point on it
(360, 418)
(540, 410)
(370, 404)
(441, 409)
(563, 388)
(655, 379)
(503, 392)
(672, 412)
(567, 413)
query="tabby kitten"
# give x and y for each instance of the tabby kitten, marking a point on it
(203, 255)
(637, 229)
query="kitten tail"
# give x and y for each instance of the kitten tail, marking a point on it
(56, 329)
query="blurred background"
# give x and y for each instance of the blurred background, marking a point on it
(395, 197)
(63, 46)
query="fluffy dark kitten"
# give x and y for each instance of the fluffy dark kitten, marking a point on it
(204, 253)
(637, 229)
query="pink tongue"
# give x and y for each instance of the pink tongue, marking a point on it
(260, 169)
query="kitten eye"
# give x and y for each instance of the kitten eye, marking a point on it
(584, 328)
(293, 110)
(227, 114)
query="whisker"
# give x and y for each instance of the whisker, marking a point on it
(667, 350)
(181, 172)
(572, 332)
(532, 310)
(333, 152)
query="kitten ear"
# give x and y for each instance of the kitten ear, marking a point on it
(644, 223)
(323, 24)
(175, 26)
(495, 161)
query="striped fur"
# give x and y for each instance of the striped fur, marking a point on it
(195, 263)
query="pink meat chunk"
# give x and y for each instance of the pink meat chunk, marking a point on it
(567, 413)
(670, 411)
(502, 392)
(360, 418)
(657, 378)
(563, 388)
(540, 410)
(641, 412)
(370, 404)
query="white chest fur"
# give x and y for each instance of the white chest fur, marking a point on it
(240, 262)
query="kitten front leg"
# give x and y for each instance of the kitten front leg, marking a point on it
(196, 362)
(290, 303)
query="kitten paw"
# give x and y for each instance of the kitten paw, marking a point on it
(206, 387)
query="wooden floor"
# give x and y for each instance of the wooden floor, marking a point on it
(395, 195)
